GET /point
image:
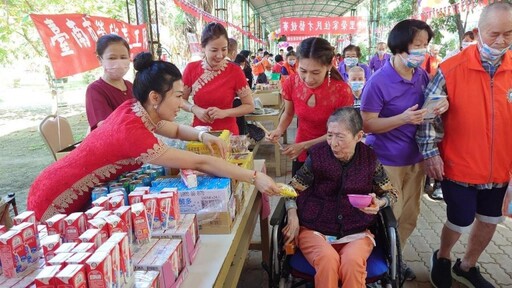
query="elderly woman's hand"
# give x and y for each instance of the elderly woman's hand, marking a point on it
(374, 206)
(210, 141)
(413, 115)
(293, 151)
(266, 185)
(291, 230)
(441, 107)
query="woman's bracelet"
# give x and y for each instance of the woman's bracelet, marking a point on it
(200, 136)
(253, 179)
(192, 107)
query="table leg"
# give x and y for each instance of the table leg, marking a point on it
(265, 240)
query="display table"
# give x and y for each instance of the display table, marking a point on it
(274, 119)
(220, 258)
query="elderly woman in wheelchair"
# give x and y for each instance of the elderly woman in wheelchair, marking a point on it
(332, 234)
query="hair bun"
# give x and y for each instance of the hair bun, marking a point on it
(142, 61)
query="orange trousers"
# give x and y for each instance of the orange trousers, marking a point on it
(338, 262)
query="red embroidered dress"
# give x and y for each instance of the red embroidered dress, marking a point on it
(123, 143)
(313, 120)
(215, 88)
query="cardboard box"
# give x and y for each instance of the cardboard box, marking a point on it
(13, 254)
(72, 276)
(98, 269)
(217, 223)
(46, 277)
(50, 244)
(146, 279)
(55, 225)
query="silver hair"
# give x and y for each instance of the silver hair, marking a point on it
(349, 117)
(496, 6)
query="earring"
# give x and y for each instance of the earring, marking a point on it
(329, 78)
(155, 106)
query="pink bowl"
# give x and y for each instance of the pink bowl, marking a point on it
(359, 200)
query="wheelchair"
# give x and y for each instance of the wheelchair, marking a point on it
(383, 264)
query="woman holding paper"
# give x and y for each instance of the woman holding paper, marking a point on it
(391, 109)
(126, 141)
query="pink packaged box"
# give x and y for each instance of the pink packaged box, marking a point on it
(188, 232)
(99, 223)
(46, 277)
(75, 225)
(169, 263)
(115, 225)
(91, 213)
(124, 212)
(113, 249)
(78, 258)
(103, 214)
(125, 255)
(30, 240)
(169, 206)
(146, 279)
(84, 248)
(13, 254)
(140, 223)
(91, 235)
(66, 247)
(98, 269)
(102, 202)
(136, 196)
(116, 202)
(189, 178)
(27, 216)
(50, 244)
(60, 259)
(72, 276)
(152, 210)
(55, 225)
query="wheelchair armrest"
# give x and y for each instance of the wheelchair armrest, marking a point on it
(388, 217)
(279, 213)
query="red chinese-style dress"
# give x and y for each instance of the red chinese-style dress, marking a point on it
(313, 120)
(215, 88)
(124, 142)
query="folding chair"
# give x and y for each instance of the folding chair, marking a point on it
(56, 133)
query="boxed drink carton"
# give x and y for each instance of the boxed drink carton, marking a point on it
(91, 213)
(140, 250)
(136, 195)
(103, 214)
(98, 269)
(13, 254)
(84, 248)
(143, 189)
(50, 244)
(30, 240)
(126, 263)
(146, 279)
(116, 202)
(169, 263)
(101, 224)
(72, 276)
(153, 213)
(124, 212)
(78, 258)
(46, 277)
(60, 259)
(75, 225)
(140, 223)
(55, 225)
(188, 232)
(66, 247)
(27, 216)
(115, 194)
(115, 225)
(189, 178)
(92, 236)
(168, 204)
(113, 249)
(102, 202)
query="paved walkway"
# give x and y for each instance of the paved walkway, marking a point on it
(495, 263)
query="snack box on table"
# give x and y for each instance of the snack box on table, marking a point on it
(200, 148)
(166, 257)
(188, 231)
(211, 200)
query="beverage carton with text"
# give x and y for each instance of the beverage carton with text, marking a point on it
(136, 196)
(102, 202)
(98, 269)
(13, 254)
(78, 258)
(113, 249)
(72, 276)
(65, 247)
(126, 265)
(84, 248)
(60, 259)
(46, 277)
(116, 202)
(153, 213)
(124, 212)
(91, 236)
(75, 225)
(91, 213)
(101, 224)
(50, 244)
(140, 223)
(169, 206)
(30, 240)
(55, 224)
(115, 225)
(27, 216)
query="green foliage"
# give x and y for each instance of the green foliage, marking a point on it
(402, 11)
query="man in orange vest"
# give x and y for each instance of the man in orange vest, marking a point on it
(469, 147)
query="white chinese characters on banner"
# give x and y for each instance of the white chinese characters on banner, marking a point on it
(322, 25)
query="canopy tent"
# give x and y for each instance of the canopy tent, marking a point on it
(271, 11)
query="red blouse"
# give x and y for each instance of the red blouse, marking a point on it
(122, 143)
(101, 99)
(313, 120)
(215, 88)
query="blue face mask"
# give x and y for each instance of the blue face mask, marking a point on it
(490, 54)
(415, 57)
(351, 62)
(356, 85)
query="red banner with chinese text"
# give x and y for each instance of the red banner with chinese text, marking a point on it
(321, 25)
(70, 39)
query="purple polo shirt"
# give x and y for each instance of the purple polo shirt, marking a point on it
(344, 73)
(388, 94)
(375, 63)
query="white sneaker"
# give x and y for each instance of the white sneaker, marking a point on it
(437, 194)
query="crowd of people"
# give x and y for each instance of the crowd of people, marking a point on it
(361, 129)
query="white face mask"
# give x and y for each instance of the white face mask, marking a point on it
(351, 62)
(115, 69)
(381, 52)
(415, 57)
(465, 45)
(488, 53)
(291, 62)
(356, 85)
